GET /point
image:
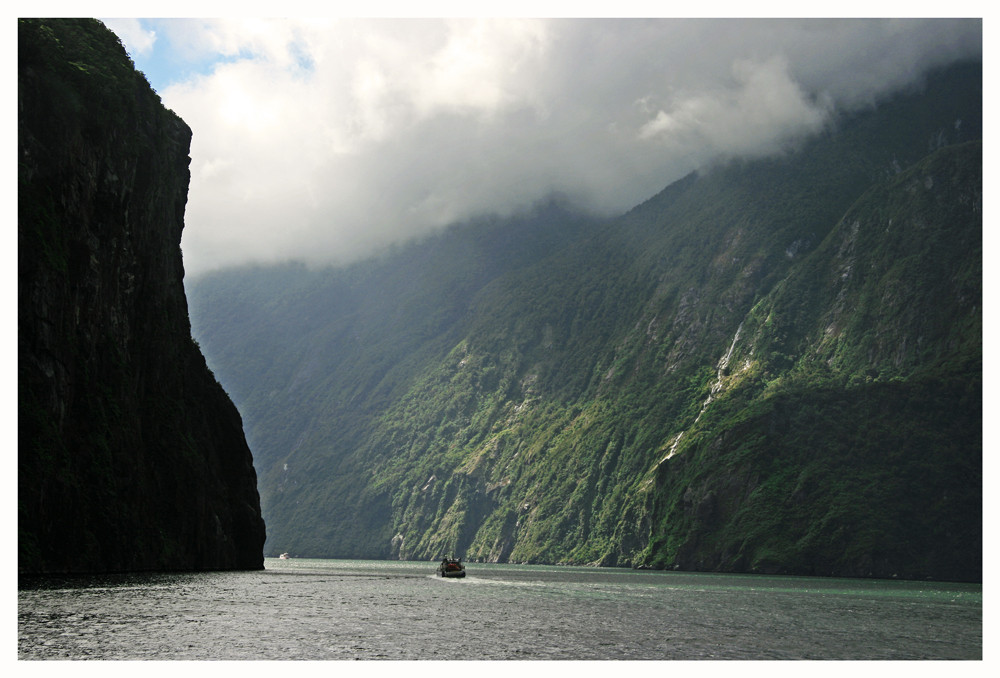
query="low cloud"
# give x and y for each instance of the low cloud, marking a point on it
(762, 108)
(326, 140)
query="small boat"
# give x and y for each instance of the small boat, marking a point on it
(451, 567)
(283, 556)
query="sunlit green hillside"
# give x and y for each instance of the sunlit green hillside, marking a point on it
(772, 365)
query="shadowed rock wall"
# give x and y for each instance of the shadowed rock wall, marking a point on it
(130, 454)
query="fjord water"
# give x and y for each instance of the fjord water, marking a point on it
(341, 609)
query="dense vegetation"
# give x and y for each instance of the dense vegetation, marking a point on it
(772, 366)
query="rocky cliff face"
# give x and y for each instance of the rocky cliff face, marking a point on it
(130, 454)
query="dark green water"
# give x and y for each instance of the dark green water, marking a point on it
(338, 609)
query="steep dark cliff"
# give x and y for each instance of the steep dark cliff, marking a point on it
(130, 454)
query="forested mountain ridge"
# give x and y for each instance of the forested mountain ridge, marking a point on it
(772, 366)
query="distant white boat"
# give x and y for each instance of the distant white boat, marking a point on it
(284, 556)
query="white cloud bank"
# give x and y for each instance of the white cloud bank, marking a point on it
(323, 140)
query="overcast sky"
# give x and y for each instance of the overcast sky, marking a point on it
(324, 139)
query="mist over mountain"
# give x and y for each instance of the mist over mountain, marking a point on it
(771, 366)
(324, 139)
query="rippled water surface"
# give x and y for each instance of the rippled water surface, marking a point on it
(341, 609)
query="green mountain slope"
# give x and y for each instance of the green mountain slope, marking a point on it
(774, 366)
(845, 436)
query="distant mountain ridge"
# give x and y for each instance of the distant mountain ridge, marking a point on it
(772, 366)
